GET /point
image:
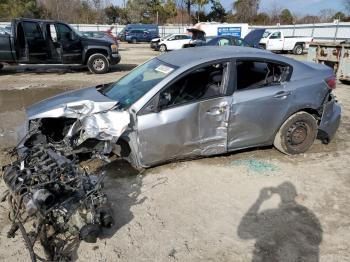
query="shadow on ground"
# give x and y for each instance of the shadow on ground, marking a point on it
(290, 233)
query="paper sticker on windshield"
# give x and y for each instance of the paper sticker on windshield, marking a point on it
(164, 69)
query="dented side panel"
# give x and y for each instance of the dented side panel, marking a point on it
(168, 134)
(213, 122)
(330, 118)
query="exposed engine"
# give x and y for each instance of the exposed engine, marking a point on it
(60, 200)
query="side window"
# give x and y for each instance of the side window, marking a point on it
(32, 30)
(223, 42)
(276, 35)
(202, 83)
(64, 32)
(255, 74)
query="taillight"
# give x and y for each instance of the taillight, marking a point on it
(331, 82)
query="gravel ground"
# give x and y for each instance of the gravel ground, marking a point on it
(213, 209)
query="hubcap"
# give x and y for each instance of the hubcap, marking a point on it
(99, 64)
(297, 134)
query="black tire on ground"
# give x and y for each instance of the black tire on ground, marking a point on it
(262, 46)
(297, 134)
(298, 49)
(162, 48)
(98, 64)
(133, 40)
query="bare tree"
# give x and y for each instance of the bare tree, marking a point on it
(326, 15)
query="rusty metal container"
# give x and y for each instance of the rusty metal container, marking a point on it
(335, 55)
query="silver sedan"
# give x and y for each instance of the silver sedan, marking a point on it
(192, 103)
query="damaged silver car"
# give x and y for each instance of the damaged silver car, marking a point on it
(192, 103)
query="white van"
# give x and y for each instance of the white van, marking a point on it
(217, 29)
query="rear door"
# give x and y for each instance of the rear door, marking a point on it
(36, 46)
(70, 44)
(260, 102)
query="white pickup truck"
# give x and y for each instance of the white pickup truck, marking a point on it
(276, 41)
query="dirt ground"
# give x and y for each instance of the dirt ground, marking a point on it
(214, 209)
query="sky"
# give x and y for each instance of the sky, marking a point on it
(299, 7)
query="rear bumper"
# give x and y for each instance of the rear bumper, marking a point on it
(330, 119)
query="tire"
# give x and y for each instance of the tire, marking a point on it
(298, 49)
(162, 48)
(297, 134)
(1, 66)
(134, 40)
(98, 64)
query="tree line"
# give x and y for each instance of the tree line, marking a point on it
(161, 12)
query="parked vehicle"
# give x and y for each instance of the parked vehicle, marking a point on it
(4, 31)
(152, 30)
(251, 40)
(173, 42)
(335, 55)
(52, 42)
(220, 29)
(276, 41)
(100, 34)
(192, 102)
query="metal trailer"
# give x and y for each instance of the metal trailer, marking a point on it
(335, 55)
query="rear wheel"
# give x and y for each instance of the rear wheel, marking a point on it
(133, 40)
(297, 134)
(162, 48)
(98, 64)
(298, 49)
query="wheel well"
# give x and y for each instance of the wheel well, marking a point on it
(315, 113)
(95, 51)
(299, 43)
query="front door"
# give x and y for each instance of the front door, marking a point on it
(275, 42)
(190, 117)
(71, 44)
(260, 103)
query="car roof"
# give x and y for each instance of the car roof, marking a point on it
(206, 53)
(198, 55)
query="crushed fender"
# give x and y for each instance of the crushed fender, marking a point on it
(54, 202)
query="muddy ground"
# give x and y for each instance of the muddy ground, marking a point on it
(198, 210)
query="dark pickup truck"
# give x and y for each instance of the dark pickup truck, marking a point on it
(34, 41)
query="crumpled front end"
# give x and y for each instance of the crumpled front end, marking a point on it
(76, 127)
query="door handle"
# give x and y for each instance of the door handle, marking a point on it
(282, 94)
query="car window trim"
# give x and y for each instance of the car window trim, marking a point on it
(228, 92)
(259, 59)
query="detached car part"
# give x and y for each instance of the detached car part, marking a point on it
(60, 199)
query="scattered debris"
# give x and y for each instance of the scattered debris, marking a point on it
(172, 253)
(255, 165)
(61, 201)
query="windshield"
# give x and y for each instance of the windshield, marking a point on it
(266, 34)
(138, 82)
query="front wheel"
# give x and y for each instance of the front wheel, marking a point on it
(298, 50)
(162, 48)
(98, 64)
(297, 134)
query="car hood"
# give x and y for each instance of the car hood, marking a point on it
(83, 101)
(98, 40)
(254, 37)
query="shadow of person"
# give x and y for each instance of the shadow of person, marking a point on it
(290, 233)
